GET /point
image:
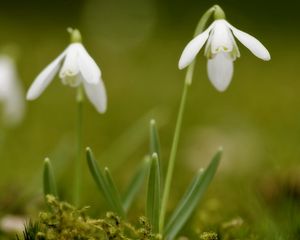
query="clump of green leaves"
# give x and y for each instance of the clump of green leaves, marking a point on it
(151, 169)
(31, 231)
(63, 221)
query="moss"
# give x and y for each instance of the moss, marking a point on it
(63, 221)
(209, 236)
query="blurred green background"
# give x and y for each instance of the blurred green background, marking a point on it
(137, 45)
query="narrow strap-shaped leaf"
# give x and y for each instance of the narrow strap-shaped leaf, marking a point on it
(100, 180)
(114, 193)
(96, 173)
(49, 179)
(174, 227)
(154, 139)
(192, 197)
(136, 183)
(154, 193)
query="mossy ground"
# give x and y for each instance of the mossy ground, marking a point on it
(62, 221)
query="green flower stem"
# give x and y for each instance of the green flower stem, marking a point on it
(78, 171)
(188, 80)
(171, 164)
(75, 37)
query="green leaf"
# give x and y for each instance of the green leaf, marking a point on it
(135, 184)
(154, 139)
(49, 179)
(101, 181)
(191, 198)
(114, 193)
(96, 173)
(154, 193)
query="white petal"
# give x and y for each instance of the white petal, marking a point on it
(88, 67)
(220, 70)
(11, 92)
(221, 37)
(14, 106)
(70, 67)
(207, 50)
(97, 95)
(251, 43)
(235, 53)
(44, 78)
(192, 48)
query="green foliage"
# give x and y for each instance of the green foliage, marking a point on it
(113, 192)
(154, 139)
(31, 231)
(135, 184)
(108, 188)
(49, 179)
(63, 221)
(192, 197)
(154, 193)
(105, 184)
(153, 202)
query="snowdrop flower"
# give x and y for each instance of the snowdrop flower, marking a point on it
(12, 224)
(11, 92)
(221, 49)
(76, 68)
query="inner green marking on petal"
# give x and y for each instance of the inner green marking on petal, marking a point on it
(235, 53)
(71, 80)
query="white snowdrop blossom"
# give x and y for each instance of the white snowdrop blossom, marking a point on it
(221, 51)
(12, 224)
(11, 92)
(75, 67)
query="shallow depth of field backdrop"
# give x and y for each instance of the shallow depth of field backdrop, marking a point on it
(137, 45)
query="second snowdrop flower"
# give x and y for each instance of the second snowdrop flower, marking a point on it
(221, 49)
(76, 68)
(11, 92)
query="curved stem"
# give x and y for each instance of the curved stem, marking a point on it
(78, 173)
(188, 80)
(204, 19)
(172, 157)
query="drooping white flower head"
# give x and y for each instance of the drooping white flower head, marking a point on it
(75, 67)
(221, 50)
(11, 92)
(12, 224)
